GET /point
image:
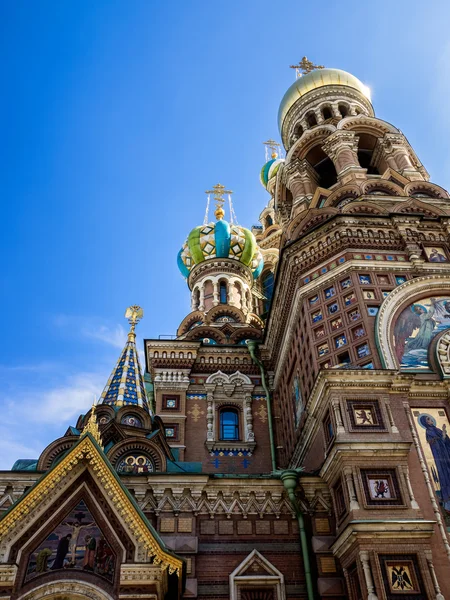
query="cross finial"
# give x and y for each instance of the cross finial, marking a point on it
(134, 314)
(304, 67)
(218, 192)
(272, 145)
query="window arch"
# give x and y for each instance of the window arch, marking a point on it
(269, 221)
(229, 424)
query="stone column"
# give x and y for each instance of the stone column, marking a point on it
(210, 436)
(342, 147)
(337, 416)
(364, 557)
(301, 179)
(394, 428)
(348, 474)
(201, 305)
(216, 298)
(410, 490)
(437, 589)
(250, 435)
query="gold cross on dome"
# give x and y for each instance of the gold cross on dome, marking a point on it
(274, 146)
(304, 67)
(218, 192)
(134, 314)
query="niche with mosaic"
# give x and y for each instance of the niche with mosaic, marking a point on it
(77, 543)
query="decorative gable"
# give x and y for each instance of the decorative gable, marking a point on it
(80, 517)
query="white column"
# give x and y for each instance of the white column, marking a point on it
(337, 416)
(348, 474)
(410, 490)
(210, 437)
(437, 589)
(250, 435)
(364, 557)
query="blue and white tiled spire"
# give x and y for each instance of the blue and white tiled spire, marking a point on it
(125, 385)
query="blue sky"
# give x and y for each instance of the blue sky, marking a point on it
(115, 117)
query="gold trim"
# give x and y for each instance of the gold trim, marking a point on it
(87, 451)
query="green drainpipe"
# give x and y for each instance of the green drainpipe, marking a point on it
(252, 349)
(289, 479)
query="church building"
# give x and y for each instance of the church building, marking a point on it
(292, 440)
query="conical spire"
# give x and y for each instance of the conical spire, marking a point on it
(126, 385)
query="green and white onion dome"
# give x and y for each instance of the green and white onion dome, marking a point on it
(220, 240)
(270, 169)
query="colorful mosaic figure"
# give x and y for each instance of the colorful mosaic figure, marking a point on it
(72, 545)
(134, 464)
(432, 426)
(436, 255)
(298, 402)
(415, 328)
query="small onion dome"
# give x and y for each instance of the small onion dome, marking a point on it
(220, 240)
(270, 169)
(317, 79)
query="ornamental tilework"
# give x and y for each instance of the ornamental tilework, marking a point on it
(125, 385)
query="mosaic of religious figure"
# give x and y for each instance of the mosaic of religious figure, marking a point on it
(76, 543)
(416, 327)
(131, 421)
(134, 464)
(436, 254)
(298, 402)
(433, 426)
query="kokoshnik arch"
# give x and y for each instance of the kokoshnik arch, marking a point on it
(292, 439)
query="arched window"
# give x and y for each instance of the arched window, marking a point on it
(269, 221)
(267, 289)
(229, 424)
(343, 110)
(327, 114)
(311, 119)
(223, 292)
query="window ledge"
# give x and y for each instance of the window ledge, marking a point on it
(224, 446)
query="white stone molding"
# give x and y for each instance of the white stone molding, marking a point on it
(423, 466)
(401, 297)
(442, 354)
(242, 576)
(67, 588)
(365, 561)
(337, 415)
(235, 389)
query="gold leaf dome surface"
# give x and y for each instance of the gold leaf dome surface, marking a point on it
(317, 79)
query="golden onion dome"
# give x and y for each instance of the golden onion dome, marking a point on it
(314, 80)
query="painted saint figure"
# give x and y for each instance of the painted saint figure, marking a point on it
(436, 256)
(89, 553)
(61, 552)
(427, 325)
(42, 560)
(440, 448)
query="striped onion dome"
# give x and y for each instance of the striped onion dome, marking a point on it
(270, 169)
(220, 240)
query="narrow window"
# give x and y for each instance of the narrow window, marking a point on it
(267, 290)
(229, 424)
(223, 292)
